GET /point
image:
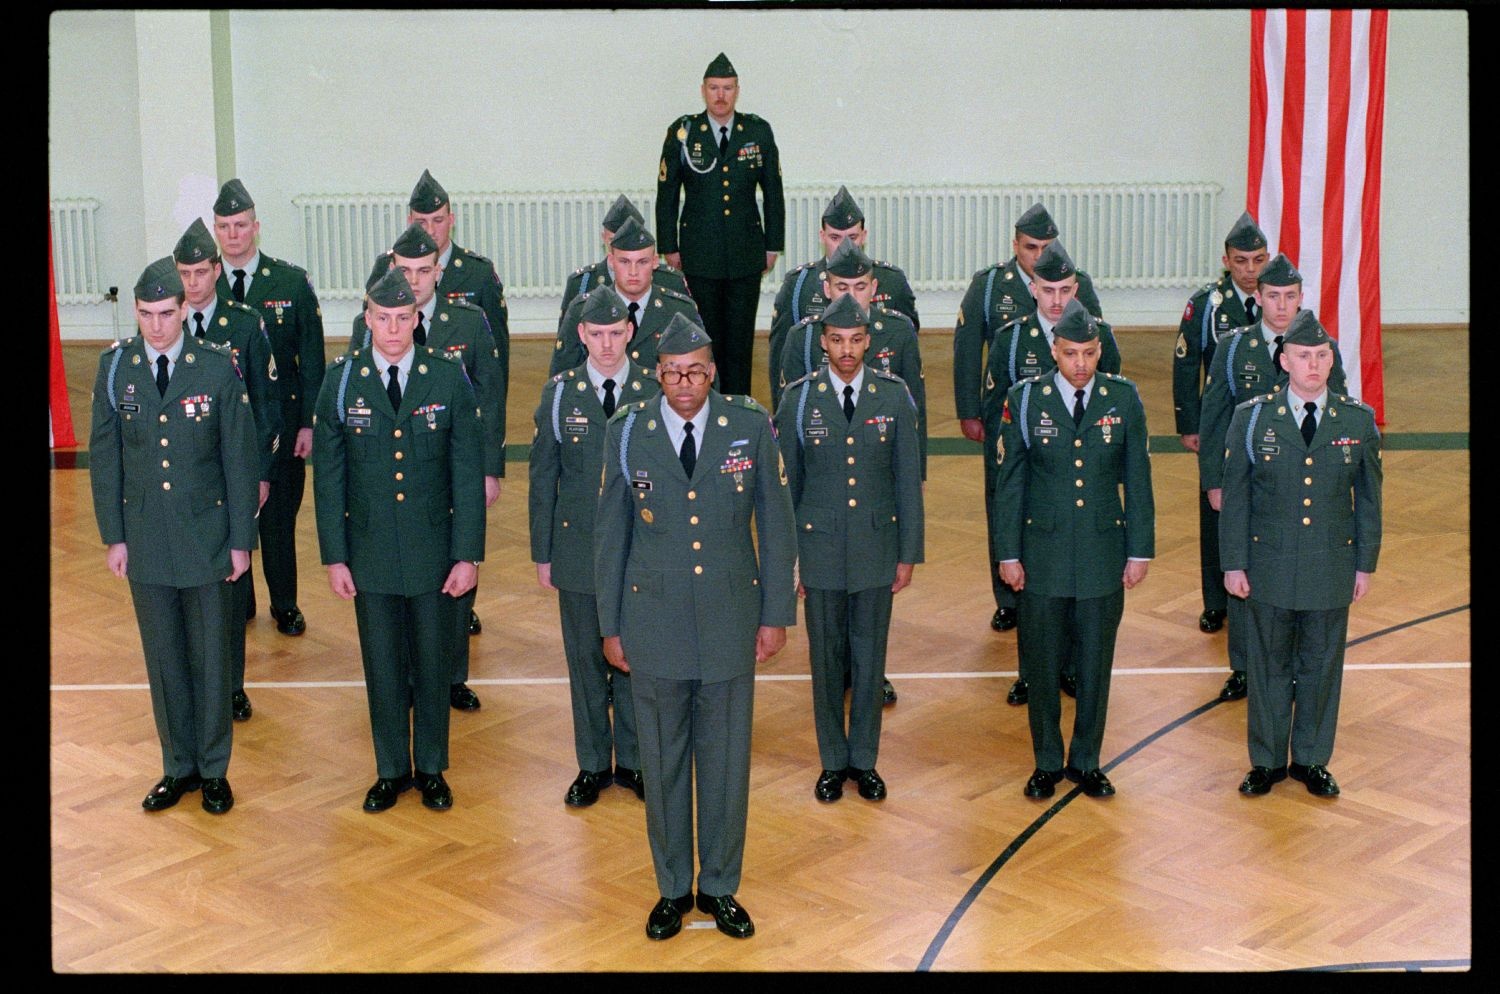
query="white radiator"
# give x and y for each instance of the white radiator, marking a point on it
(75, 250)
(1128, 235)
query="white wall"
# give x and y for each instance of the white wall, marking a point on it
(345, 101)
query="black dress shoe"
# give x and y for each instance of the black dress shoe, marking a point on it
(1316, 778)
(239, 706)
(732, 919)
(169, 790)
(830, 786)
(436, 794)
(217, 797)
(871, 787)
(1235, 688)
(462, 698)
(1004, 619)
(289, 622)
(888, 695)
(666, 918)
(1019, 693)
(1260, 778)
(474, 626)
(1094, 782)
(1069, 684)
(586, 786)
(383, 795)
(626, 777)
(1043, 783)
(1211, 621)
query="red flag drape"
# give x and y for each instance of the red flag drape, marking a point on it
(62, 415)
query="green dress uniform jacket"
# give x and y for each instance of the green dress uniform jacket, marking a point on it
(1242, 369)
(238, 326)
(1210, 315)
(997, 295)
(1020, 350)
(720, 233)
(586, 278)
(893, 349)
(471, 278)
(283, 295)
(569, 352)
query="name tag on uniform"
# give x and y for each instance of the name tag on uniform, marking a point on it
(582, 429)
(816, 433)
(1050, 432)
(641, 484)
(131, 408)
(1272, 450)
(356, 421)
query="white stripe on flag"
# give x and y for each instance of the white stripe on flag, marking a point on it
(1354, 187)
(1314, 157)
(1268, 211)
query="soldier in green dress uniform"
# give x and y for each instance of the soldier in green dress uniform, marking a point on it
(173, 471)
(283, 295)
(400, 508)
(585, 278)
(688, 609)
(1065, 542)
(212, 317)
(802, 292)
(1299, 537)
(567, 457)
(859, 530)
(1211, 313)
(997, 296)
(719, 157)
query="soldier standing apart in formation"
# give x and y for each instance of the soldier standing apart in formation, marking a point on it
(400, 508)
(567, 455)
(1065, 543)
(470, 278)
(688, 610)
(859, 530)
(283, 295)
(1299, 534)
(998, 295)
(174, 470)
(585, 278)
(719, 157)
(1247, 362)
(215, 318)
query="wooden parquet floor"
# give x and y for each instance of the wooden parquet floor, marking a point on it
(1178, 872)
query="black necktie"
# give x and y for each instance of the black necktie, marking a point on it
(635, 309)
(609, 396)
(1276, 357)
(393, 388)
(420, 335)
(689, 452)
(1309, 423)
(239, 285)
(723, 141)
(198, 322)
(161, 375)
(1250, 308)
(848, 402)
(1077, 408)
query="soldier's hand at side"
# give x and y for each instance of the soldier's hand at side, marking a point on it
(674, 259)
(768, 642)
(614, 653)
(1216, 498)
(544, 576)
(239, 561)
(903, 577)
(1361, 584)
(461, 578)
(1237, 582)
(973, 429)
(303, 447)
(1190, 442)
(770, 261)
(341, 580)
(801, 590)
(115, 558)
(265, 493)
(1014, 575)
(491, 490)
(1135, 572)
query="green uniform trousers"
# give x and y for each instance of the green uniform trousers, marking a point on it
(278, 528)
(1052, 629)
(404, 643)
(588, 686)
(728, 309)
(1215, 597)
(1295, 674)
(854, 627)
(460, 643)
(241, 594)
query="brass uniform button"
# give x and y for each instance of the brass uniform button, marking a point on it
(166, 485)
(1080, 502)
(697, 546)
(400, 496)
(693, 520)
(1307, 521)
(692, 495)
(400, 476)
(697, 569)
(853, 502)
(163, 419)
(851, 460)
(165, 464)
(851, 481)
(400, 455)
(164, 443)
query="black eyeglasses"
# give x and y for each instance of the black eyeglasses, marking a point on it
(672, 377)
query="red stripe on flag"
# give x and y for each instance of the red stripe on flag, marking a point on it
(1257, 110)
(1333, 183)
(1294, 77)
(62, 415)
(1372, 389)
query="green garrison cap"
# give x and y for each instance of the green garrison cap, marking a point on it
(849, 260)
(1054, 263)
(158, 282)
(720, 68)
(1076, 323)
(414, 243)
(601, 305)
(1306, 330)
(196, 244)
(682, 336)
(1279, 272)
(621, 209)
(391, 290)
(1245, 235)
(845, 312)
(632, 236)
(382, 263)
(1037, 223)
(233, 199)
(428, 195)
(842, 212)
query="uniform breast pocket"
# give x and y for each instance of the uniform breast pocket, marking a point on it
(1040, 518)
(430, 434)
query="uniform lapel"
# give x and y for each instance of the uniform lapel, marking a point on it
(1099, 404)
(376, 397)
(439, 332)
(259, 290)
(418, 383)
(662, 439)
(139, 375)
(184, 374)
(715, 440)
